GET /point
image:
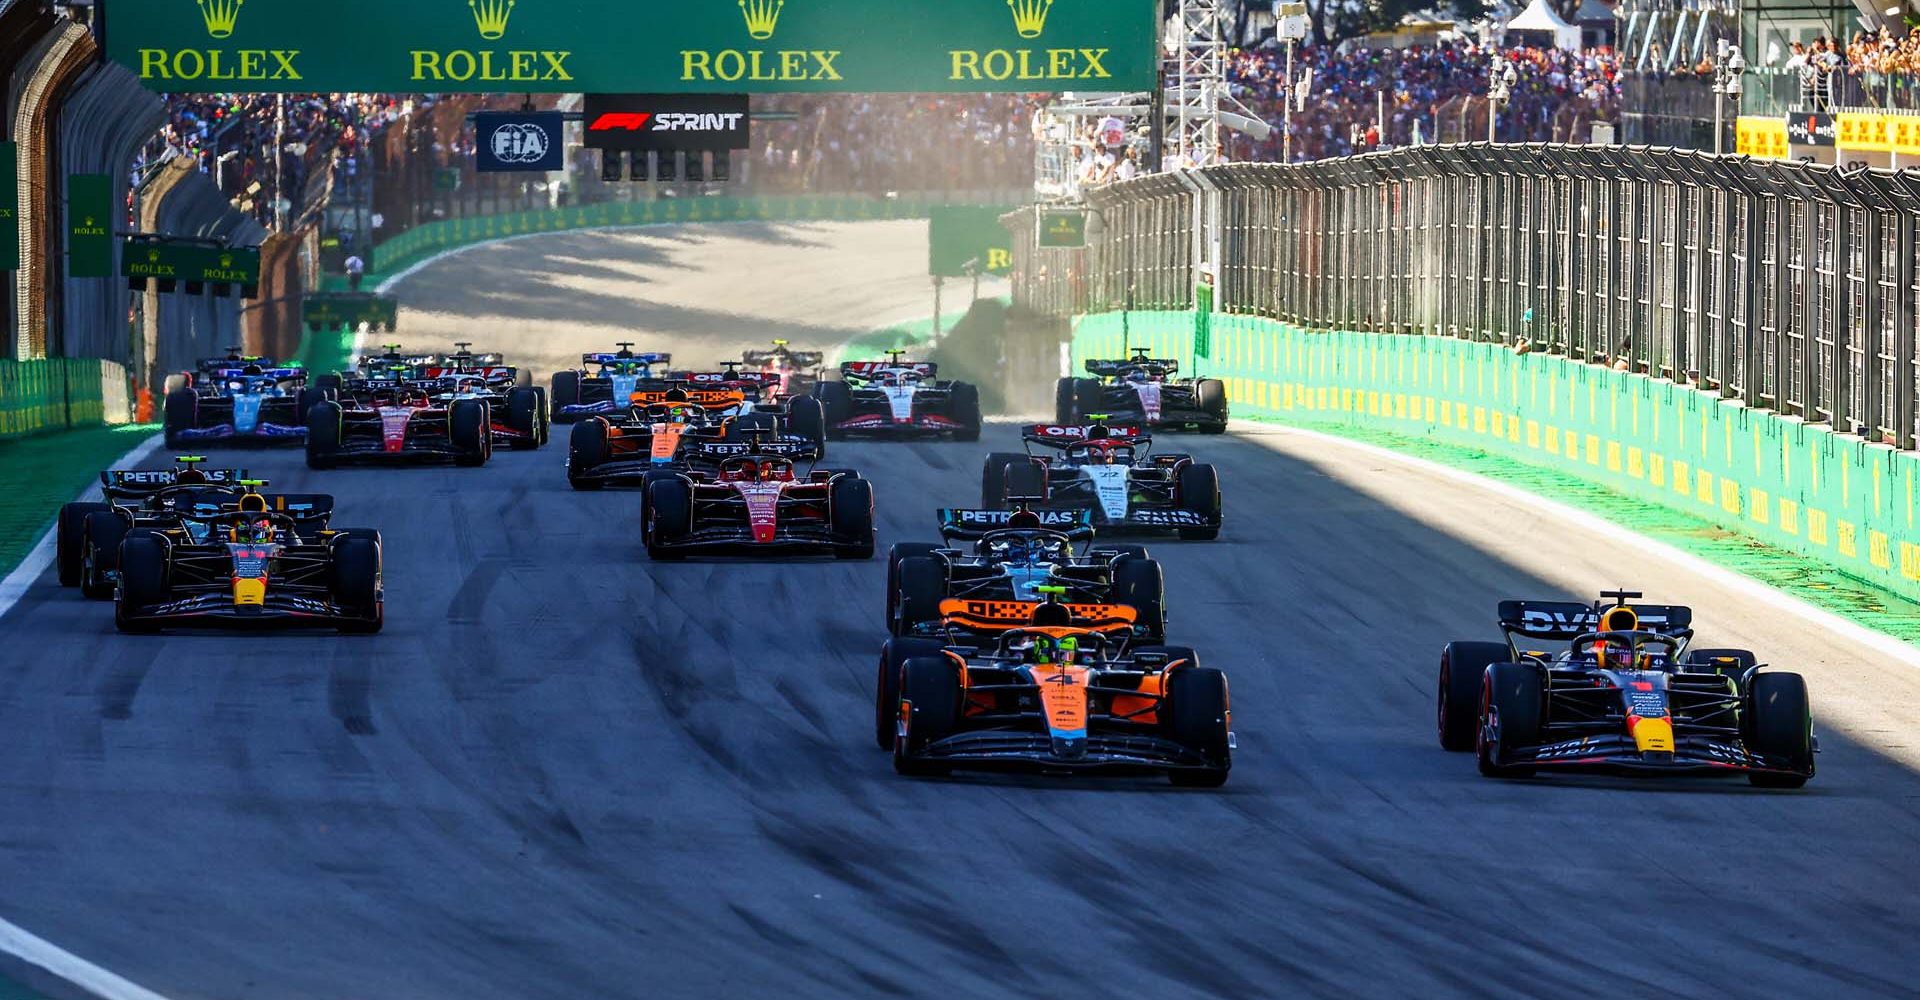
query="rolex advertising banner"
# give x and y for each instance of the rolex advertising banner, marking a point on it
(167, 260)
(1062, 229)
(620, 46)
(90, 225)
(963, 235)
(9, 207)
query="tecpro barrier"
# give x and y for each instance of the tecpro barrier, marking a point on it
(59, 393)
(1799, 486)
(424, 241)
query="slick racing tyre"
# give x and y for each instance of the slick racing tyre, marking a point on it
(100, 542)
(323, 435)
(886, 696)
(566, 392)
(807, 418)
(900, 552)
(670, 517)
(965, 399)
(1138, 583)
(1780, 725)
(144, 570)
(1195, 715)
(1200, 494)
(355, 581)
(1462, 665)
(836, 398)
(1512, 700)
(467, 427)
(182, 414)
(1088, 396)
(931, 684)
(850, 506)
(524, 417)
(1026, 480)
(69, 538)
(993, 478)
(1210, 395)
(1063, 398)
(586, 451)
(922, 586)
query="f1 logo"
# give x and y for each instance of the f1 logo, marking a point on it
(620, 121)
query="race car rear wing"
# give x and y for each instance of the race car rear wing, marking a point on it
(132, 484)
(1566, 620)
(864, 371)
(615, 357)
(302, 507)
(992, 616)
(491, 373)
(707, 398)
(1110, 367)
(798, 359)
(278, 374)
(724, 378)
(792, 447)
(966, 524)
(1062, 435)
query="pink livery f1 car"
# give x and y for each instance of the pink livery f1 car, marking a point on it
(753, 503)
(896, 398)
(1108, 471)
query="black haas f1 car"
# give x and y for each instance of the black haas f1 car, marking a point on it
(671, 436)
(87, 534)
(1143, 390)
(267, 562)
(518, 412)
(1107, 471)
(398, 422)
(609, 386)
(797, 373)
(898, 398)
(1629, 695)
(753, 503)
(251, 402)
(1057, 695)
(1016, 556)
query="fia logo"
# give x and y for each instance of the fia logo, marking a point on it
(519, 142)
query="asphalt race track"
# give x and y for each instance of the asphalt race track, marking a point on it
(566, 772)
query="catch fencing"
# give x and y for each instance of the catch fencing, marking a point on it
(1789, 286)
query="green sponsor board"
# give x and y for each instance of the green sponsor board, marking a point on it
(1203, 320)
(167, 260)
(1063, 230)
(959, 235)
(619, 46)
(349, 309)
(48, 395)
(9, 207)
(90, 218)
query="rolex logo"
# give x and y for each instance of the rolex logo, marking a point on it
(153, 256)
(491, 16)
(763, 16)
(1030, 16)
(220, 16)
(226, 260)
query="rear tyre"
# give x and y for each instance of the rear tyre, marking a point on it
(886, 698)
(330, 384)
(1139, 584)
(1195, 715)
(143, 580)
(922, 586)
(670, 517)
(900, 552)
(1088, 397)
(174, 383)
(566, 392)
(1512, 703)
(965, 397)
(1200, 494)
(1780, 725)
(182, 414)
(586, 451)
(472, 438)
(323, 435)
(850, 503)
(1210, 395)
(1025, 480)
(1462, 666)
(101, 536)
(931, 684)
(69, 538)
(1063, 398)
(836, 400)
(356, 582)
(523, 416)
(993, 478)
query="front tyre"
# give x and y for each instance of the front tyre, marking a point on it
(1512, 706)
(850, 506)
(1780, 728)
(1198, 717)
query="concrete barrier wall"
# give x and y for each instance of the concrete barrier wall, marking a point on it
(1798, 486)
(55, 394)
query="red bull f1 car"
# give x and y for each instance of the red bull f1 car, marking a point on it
(753, 503)
(1016, 556)
(896, 398)
(1108, 471)
(1056, 694)
(1143, 390)
(251, 565)
(1628, 694)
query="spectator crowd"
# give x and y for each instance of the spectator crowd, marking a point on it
(877, 143)
(1869, 70)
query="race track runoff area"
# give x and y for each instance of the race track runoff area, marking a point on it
(565, 771)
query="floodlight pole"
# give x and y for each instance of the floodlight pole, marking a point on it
(1286, 110)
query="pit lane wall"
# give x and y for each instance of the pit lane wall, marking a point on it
(421, 242)
(54, 394)
(1799, 486)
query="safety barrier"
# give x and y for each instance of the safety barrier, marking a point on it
(59, 393)
(424, 241)
(1779, 479)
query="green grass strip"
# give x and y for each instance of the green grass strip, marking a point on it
(38, 474)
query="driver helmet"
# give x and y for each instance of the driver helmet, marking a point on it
(1047, 649)
(1099, 456)
(1620, 656)
(677, 395)
(1024, 519)
(747, 470)
(190, 477)
(253, 532)
(1136, 375)
(681, 414)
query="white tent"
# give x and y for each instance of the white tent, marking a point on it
(1541, 19)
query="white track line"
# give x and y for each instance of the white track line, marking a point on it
(1880, 642)
(71, 968)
